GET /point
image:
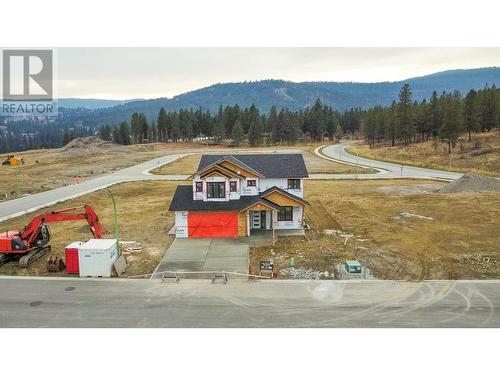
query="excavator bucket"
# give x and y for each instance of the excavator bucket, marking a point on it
(55, 264)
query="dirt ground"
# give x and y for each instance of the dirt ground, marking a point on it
(399, 229)
(50, 169)
(143, 217)
(53, 168)
(481, 155)
(182, 166)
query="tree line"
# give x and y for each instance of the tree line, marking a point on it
(238, 125)
(444, 117)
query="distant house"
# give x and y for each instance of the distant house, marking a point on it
(233, 195)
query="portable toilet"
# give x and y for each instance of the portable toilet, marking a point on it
(13, 161)
(71, 253)
(352, 266)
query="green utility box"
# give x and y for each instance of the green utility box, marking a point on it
(352, 266)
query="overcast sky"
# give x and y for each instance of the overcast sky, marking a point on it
(126, 73)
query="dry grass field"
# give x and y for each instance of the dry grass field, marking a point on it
(183, 166)
(373, 226)
(143, 217)
(481, 155)
(373, 222)
(314, 164)
(54, 168)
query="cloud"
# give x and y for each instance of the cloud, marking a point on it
(122, 73)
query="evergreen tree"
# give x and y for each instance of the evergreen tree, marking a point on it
(135, 127)
(237, 134)
(451, 128)
(105, 133)
(405, 115)
(124, 133)
(471, 123)
(116, 135)
(219, 131)
(255, 133)
(162, 125)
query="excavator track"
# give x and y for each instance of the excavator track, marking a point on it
(27, 260)
(4, 258)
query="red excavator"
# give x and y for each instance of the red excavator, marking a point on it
(32, 242)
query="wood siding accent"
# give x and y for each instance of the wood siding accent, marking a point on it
(242, 224)
(235, 168)
(221, 171)
(258, 207)
(282, 200)
(215, 174)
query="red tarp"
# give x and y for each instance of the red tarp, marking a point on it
(212, 224)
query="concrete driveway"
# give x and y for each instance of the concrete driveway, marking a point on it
(207, 255)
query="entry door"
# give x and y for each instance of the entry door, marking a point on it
(256, 219)
(262, 219)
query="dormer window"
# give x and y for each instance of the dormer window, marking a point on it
(251, 183)
(199, 187)
(216, 190)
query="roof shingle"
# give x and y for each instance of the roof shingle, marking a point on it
(274, 165)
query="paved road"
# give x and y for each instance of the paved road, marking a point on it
(30, 203)
(65, 302)
(21, 206)
(385, 169)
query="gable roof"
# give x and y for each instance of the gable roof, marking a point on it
(183, 201)
(285, 193)
(273, 165)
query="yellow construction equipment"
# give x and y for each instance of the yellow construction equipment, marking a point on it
(13, 161)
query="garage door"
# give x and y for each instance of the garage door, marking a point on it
(213, 224)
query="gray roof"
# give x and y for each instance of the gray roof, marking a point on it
(273, 165)
(183, 201)
(284, 192)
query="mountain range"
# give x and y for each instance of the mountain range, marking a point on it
(293, 95)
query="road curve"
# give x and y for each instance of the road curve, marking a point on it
(72, 302)
(139, 172)
(30, 203)
(384, 169)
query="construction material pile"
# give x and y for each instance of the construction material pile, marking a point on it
(472, 183)
(90, 146)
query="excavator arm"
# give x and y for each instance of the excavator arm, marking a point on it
(32, 229)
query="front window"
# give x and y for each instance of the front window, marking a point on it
(232, 186)
(199, 187)
(216, 190)
(251, 183)
(294, 183)
(285, 213)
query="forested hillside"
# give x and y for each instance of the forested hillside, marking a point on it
(441, 106)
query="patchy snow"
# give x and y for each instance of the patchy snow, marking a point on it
(409, 214)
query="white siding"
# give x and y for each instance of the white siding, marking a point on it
(282, 183)
(235, 195)
(250, 190)
(296, 223)
(181, 224)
